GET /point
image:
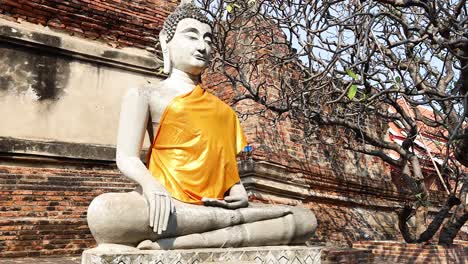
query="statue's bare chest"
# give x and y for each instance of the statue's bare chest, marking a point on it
(158, 100)
(157, 104)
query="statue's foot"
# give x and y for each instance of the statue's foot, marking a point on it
(148, 245)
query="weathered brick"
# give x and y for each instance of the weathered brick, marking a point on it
(95, 17)
(64, 229)
(91, 26)
(393, 251)
(11, 3)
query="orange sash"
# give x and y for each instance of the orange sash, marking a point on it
(194, 151)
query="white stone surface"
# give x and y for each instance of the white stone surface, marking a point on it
(251, 255)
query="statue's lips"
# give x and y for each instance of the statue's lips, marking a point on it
(199, 57)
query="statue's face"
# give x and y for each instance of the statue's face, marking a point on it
(190, 48)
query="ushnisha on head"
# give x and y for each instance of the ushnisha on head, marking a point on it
(186, 40)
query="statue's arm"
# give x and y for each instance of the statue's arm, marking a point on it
(131, 132)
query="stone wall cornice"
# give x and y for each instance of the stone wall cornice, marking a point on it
(39, 37)
(68, 150)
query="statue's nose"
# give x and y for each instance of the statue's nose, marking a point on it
(201, 47)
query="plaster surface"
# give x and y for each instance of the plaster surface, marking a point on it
(66, 96)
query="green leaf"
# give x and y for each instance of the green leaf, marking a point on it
(352, 74)
(229, 8)
(352, 91)
(398, 79)
(237, 5)
(418, 196)
(363, 98)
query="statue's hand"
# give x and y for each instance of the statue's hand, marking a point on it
(229, 202)
(236, 201)
(160, 208)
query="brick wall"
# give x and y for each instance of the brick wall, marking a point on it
(120, 23)
(398, 252)
(43, 210)
(280, 139)
(346, 256)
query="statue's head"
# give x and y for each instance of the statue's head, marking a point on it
(186, 40)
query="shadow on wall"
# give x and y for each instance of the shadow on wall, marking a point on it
(351, 190)
(332, 171)
(341, 225)
(283, 142)
(42, 76)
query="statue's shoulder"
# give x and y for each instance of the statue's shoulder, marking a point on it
(144, 91)
(221, 103)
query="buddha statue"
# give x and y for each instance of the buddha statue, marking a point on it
(189, 194)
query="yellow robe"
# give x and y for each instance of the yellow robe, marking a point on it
(195, 147)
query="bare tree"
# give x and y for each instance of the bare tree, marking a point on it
(348, 63)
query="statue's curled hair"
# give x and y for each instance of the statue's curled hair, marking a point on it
(182, 12)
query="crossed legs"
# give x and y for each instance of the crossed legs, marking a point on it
(120, 220)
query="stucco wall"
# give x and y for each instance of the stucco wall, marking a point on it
(70, 96)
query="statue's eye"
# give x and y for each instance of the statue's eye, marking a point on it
(192, 36)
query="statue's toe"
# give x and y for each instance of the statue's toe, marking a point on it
(148, 245)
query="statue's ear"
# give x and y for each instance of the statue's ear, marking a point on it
(165, 51)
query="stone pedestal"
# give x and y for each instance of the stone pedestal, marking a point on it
(251, 255)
